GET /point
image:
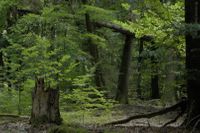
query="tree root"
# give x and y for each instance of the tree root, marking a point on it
(174, 120)
(182, 104)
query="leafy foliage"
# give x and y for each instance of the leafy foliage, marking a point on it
(86, 97)
(51, 42)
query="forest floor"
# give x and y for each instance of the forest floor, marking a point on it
(84, 122)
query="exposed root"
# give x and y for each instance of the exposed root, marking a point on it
(194, 128)
(174, 120)
(182, 104)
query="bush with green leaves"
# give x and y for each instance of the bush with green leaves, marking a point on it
(14, 102)
(86, 97)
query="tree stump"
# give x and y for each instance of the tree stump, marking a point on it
(45, 104)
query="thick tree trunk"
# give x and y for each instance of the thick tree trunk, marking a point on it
(122, 89)
(155, 92)
(192, 16)
(139, 89)
(45, 104)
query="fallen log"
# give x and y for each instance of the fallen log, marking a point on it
(182, 104)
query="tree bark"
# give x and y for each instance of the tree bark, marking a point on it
(139, 79)
(1, 60)
(94, 52)
(122, 89)
(192, 16)
(155, 92)
(1, 70)
(45, 104)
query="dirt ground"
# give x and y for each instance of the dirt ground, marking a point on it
(153, 125)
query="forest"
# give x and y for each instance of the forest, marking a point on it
(99, 66)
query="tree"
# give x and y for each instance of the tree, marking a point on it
(1, 69)
(155, 92)
(139, 67)
(45, 104)
(192, 17)
(41, 51)
(94, 52)
(122, 88)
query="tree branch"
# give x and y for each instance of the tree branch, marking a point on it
(113, 27)
(120, 29)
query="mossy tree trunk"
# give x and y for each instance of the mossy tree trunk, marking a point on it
(45, 104)
(122, 88)
(192, 16)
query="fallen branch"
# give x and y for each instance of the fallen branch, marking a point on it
(180, 104)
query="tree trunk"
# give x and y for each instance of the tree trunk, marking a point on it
(1, 71)
(122, 89)
(93, 50)
(171, 80)
(45, 104)
(139, 91)
(155, 92)
(192, 16)
(1, 60)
